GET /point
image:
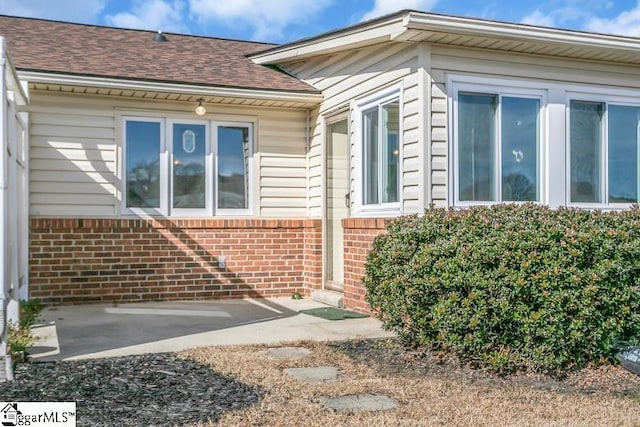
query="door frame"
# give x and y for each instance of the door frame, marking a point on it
(338, 115)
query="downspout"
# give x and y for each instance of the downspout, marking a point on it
(3, 215)
(308, 142)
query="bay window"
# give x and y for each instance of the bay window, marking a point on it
(186, 168)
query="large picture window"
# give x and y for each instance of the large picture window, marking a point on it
(604, 140)
(550, 142)
(380, 154)
(498, 147)
(187, 168)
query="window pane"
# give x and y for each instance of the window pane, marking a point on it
(143, 164)
(586, 142)
(476, 136)
(520, 149)
(370, 158)
(390, 152)
(623, 154)
(233, 158)
(189, 151)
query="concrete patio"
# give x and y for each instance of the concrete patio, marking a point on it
(100, 330)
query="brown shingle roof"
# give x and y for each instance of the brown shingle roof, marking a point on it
(59, 47)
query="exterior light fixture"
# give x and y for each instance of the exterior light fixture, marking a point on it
(200, 110)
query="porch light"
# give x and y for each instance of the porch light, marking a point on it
(200, 110)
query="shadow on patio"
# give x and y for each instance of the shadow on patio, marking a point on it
(101, 330)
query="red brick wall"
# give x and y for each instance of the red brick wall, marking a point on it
(313, 255)
(358, 239)
(99, 260)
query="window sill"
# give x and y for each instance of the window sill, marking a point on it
(378, 212)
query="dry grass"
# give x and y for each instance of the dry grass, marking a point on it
(423, 400)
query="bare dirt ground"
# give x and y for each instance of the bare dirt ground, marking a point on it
(430, 390)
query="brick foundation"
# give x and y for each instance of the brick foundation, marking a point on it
(100, 260)
(358, 239)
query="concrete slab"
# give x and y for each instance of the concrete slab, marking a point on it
(360, 403)
(288, 352)
(100, 330)
(316, 374)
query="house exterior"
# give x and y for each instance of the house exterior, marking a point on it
(305, 149)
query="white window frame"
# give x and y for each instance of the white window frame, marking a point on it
(208, 162)
(379, 99)
(164, 170)
(249, 171)
(597, 95)
(500, 88)
(166, 121)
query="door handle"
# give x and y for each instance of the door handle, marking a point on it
(347, 200)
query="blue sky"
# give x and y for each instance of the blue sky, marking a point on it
(288, 20)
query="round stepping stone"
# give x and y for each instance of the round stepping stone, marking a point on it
(316, 374)
(288, 352)
(360, 403)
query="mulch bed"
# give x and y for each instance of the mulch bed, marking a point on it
(149, 390)
(390, 357)
(164, 389)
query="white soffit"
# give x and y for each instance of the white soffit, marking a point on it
(62, 83)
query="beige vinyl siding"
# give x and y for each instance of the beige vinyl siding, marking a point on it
(73, 160)
(283, 163)
(75, 153)
(520, 67)
(345, 78)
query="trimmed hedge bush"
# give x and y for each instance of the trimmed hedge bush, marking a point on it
(512, 287)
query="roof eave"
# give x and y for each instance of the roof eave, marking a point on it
(375, 32)
(178, 88)
(519, 32)
(405, 25)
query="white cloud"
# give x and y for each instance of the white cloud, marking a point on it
(626, 23)
(539, 18)
(384, 7)
(152, 15)
(268, 18)
(62, 10)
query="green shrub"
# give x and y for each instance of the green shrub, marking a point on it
(19, 340)
(511, 286)
(29, 312)
(19, 335)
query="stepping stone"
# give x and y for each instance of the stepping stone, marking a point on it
(360, 403)
(316, 374)
(288, 352)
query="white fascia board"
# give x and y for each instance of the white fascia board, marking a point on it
(14, 84)
(335, 42)
(137, 85)
(520, 32)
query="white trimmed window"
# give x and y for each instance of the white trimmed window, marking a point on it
(497, 150)
(177, 167)
(378, 150)
(548, 142)
(603, 147)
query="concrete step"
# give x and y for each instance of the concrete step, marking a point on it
(328, 297)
